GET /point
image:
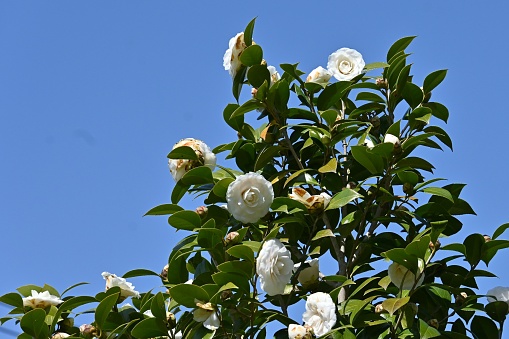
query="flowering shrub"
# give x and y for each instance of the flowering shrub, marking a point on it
(333, 179)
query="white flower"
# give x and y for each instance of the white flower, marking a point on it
(320, 313)
(314, 203)
(309, 275)
(368, 143)
(126, 288)
(345, 64)
(274, 75)
(60, 335)
(297, 332)
(231, 58)
(498, 293)
(206, 314)
(249, 197)
(179, 167)
(319, 75)
(41, 300)
(178, 335)
(274, 265)
(392, 139)
(402, 277)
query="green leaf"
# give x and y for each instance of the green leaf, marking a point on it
(248, 106)
(329, 167)
(179, 191)
(393, 304)
(266, 156)
(237, 266)
(235, 123)
(185, 294)
(441, 192)
(183, 152)
(258, 74)
(26, 290)
(473, 245)
(158, 307)
(399, 46)
(497, 310)
(322, 234)
(484, 327)
(251, 56)
(150, 328)
(375, 65)
(292, 70)
(427, 331)
(287, 205)
(342, 198)
(368, 96)
(438, 110)
(248, 32)
(198, 176)
(13, 299)
(140, 272)
(185, 220)
(433, 80)
(369, 160)
(419, 247)
(238, 81)
(499, 231)
(332, 94)
(165, 209)
(209, 237)
(241, 252)
(412, 94)
(329, 116)
(221, 187)
(408, 176)
(104, 308)
(33, 323)
(71, 304)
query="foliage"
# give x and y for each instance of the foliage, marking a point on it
(348, 186)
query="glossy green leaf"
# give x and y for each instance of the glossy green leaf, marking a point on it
(439, 192)
(497, 310)
(209, 237)
(13, 299)
(104, 308)
(433, 80)
(248, 106)
(332, 94)
(183, 152)
(164, 209)
(158, 307)
(473, 248)
(241, 252)
(252, 55)
(185, 220)
(248, 32)
(186, 294)
(238, 81)
(375, 65)
(342, 198)
(293, 71)
(140, 272)
(393, 304)
(235, 123)
(323, 234)
(329, 167)
(484, 327)
(399, 46)
(198, 176)
(287, 205)
(150, 328)
(499, 231)
(33, 323)
(369, 160)
(412, 94)
(426, 331)
(178, 191)
(266, 156)
(257, 75)
(438, 110)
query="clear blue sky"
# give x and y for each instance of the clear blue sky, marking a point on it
(93, 95)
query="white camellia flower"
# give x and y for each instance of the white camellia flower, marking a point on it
(309, 275)
(368, 143)
(345, 64)
(391, 139)
(319, 75)
(314, 203)
(498, 293)
(60, 335)
(320, 313)
(231, 58)
(41, 300)
(179, 167)
(274, 266)
(206, 314)
(249, 197)
(126, 288)
(274, 75)
(402, 277)
(297, 332)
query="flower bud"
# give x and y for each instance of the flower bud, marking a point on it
(171, 320)
(60, 335)
(351, 185)
(164, 272)
(408, 188)
(319, 75)
(382, 83)
(435, 246)
(460, 298)
(226, 294)
(66, 323)
(254, 91)
(379, 308)
(375, 121)
(202, 211)
(487, 238)
(88, 331)
(232, 238)
(433, 323)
